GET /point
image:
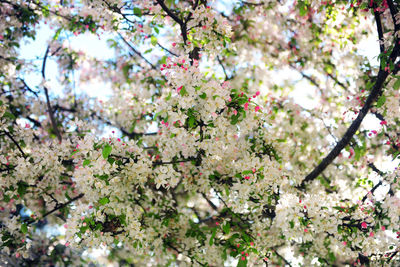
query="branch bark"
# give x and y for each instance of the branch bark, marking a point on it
(376, 91)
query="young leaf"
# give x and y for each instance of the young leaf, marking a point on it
(381, 101)
(24, 228)
(226, 228)
(153, 40)
(106, 151)
(86, 162)
(214, 232)
(104, 200)
(203, 96)
(137, 11)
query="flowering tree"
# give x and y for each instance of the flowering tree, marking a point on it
(212, 161)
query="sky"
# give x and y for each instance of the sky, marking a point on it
(97, 46)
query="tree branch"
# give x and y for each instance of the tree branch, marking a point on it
(376, 91)
(15, 142)
(166, 49)
(223, 68)
(136, 51)
(337, 81)
(379, 29)
(393, 12)
(169, 12)
(46, 92)
(59, 206)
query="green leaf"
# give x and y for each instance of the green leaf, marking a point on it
(137, 11)
(234, 119)
(125, 70)
(203, 96)
(191, 121)
(153, 40)
(22, 186)
(381, 101)
(242, 101)
(303, 9)
(111, 160)
(396, 85)
(104, 200)
(6, 198)
(57, 34)
(168, 97)
(331, 256)
(226, 228)
(106, 151)
(242, 263)
(183, 91)
(86, 162)
(214, 232)
(246, 238)
(8, 115)
(24, 228)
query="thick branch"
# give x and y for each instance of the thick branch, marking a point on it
(393, 12)
(380, 31)
(210, 202)
(169, 12)
(376, 91)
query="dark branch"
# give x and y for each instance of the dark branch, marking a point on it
(15, 142)
(166, 49)
(136, 51)
(210, 202)
(223, 68)
(46, 92)
(337, 81)
(169, 12)
(393, 12)
(60, 206)
(376, 91)
(380, 31)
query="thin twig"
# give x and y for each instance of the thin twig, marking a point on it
(46, 92)
(136, 51)
(223, 68)
(60, 206)
(337, 81)
(15, 142)
(166, 49)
